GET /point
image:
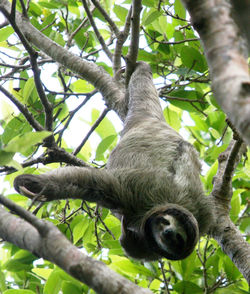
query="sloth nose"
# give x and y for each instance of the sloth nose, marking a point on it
(169, 233)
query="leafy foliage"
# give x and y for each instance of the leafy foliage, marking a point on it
(172, 48)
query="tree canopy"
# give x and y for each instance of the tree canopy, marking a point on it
(64, 68)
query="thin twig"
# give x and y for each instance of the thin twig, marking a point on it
(23, 109)
(164, 276)
(122, 37)
(97, 33)
(95, 125)
(33, 60)
(71, 115)
(107, 17)
(134, 44)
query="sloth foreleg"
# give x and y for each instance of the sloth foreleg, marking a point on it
(71, 182)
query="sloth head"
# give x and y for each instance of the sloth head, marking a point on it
(171, 233)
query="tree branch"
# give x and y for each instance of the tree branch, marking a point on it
(44, 240)
(112, 92)
(97, 33)
(134, 43)
(72, 114)
(48, 110)
(224, 231)
(228, 161)
(95, 125)
(227, 61)
(109, 20)
(122, 37)
(23, 109)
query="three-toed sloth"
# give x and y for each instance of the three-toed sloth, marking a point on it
(151, 182)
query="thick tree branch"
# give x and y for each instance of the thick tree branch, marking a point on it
(241, 14)
(111, 91)
(232, 242)
(228, 161)
(224, 231)
(227, 61)
(44, 240)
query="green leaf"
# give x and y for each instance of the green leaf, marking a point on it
(216, 119)
(5, 157)
(35, 9)
(51, 4)
(105, 128)
(210, 175)
(120, 12)
(179, 9)
(185, 287)
(230, 269)
(148, 3)
(235, 205)
(15, 127)
(151, 16)
(43, 272)
(70, 288)
(127, 267)
(103, 146)
(172, 118)
(214, 133)
(5, 33)
(161, 25)
(186, 266)
(2, 281)
(18, 291)
(24, 256)
(89, 235)
(27, 90)
(212, 153)
(192, 59)
(82, 86)
(16, 266)
(200, 123)
(188, 95)
(56, 37)
(79, 230)
(53, 284)
(21, 144)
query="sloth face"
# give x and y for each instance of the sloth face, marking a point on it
(168, 236)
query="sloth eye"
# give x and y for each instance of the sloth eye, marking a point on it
(165, 221)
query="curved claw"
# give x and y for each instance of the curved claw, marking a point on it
(24, 191)
(31, 186)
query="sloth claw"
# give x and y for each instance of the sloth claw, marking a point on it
(34, 196)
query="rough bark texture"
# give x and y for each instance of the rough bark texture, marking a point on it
(232, 242)
(226, 58)
(55, 247)
(224, 232)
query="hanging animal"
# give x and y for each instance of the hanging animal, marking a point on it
(151, 181)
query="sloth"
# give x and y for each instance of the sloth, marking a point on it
(151, 181)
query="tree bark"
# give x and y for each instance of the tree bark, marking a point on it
(52, 245)
(226, 56)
